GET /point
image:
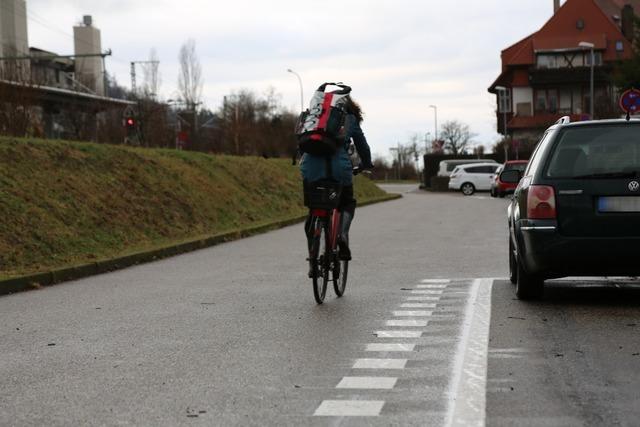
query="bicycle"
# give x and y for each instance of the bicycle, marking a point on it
(324, 251)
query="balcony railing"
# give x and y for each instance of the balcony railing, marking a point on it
(554, 76)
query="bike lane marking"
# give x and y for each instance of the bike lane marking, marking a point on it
(423, 298)
(390, 347)
(417, 305)
(349, 408)
(430, 292)
(380, 364)
(412, 313)
(370, 383)
(466, 404)
(407, 323)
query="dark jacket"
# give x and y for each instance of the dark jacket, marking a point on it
(314, 168)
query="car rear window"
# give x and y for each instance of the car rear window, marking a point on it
(516, 166)
(596, 151)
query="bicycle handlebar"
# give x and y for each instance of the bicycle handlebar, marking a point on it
(358, 170)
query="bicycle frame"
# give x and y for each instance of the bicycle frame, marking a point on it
(334, 224)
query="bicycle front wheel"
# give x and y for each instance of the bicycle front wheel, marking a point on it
(322, 260)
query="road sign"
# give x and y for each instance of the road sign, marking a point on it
(630, 101)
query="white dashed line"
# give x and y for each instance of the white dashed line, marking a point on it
(390, 347)
(412, 313)
(380, 364)
(408, 323)
(431, 286)
(417, 305)
(423, 298)
(373, 383)
(349, 408)
(436, 281)
(425, 292)
(399, 334)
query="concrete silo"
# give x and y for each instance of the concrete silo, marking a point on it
(14, 38)
(89, 71)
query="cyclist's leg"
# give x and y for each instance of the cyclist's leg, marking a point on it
(347, 208)
(308, 225)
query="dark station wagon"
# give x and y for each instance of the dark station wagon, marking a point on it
(576, 209)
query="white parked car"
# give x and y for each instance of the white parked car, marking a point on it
(473, 177)
(445, 167)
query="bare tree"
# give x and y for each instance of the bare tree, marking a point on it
(152, 78)
(456, 136)
(190, 77)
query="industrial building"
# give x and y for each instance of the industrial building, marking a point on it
(48, 94)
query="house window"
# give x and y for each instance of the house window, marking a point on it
(619, 46)
(541, 101)
(552, 100)
(597, 56)
(565, 101)
(504, 101)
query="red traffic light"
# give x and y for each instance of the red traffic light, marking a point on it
(130, 122)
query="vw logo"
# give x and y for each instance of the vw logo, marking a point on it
(634, 186)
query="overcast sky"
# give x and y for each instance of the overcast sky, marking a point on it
(400, 56)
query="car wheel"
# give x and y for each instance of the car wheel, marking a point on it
(501, 194)
(528, 286)
(513, 263)
(467, 188)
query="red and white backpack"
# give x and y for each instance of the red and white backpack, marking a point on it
(320, 128)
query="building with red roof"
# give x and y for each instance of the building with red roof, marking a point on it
(547, 74)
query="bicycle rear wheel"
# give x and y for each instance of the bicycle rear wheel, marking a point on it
(321, 260)
(340, 272)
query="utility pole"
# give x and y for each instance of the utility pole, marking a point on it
(133, 73)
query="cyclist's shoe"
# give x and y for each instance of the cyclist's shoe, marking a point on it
(344, 253)
(312, 269)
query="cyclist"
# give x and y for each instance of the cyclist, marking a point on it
(314, 168)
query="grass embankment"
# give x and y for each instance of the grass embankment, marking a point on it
(66, 203)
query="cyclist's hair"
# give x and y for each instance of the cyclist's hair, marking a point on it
(354, 108)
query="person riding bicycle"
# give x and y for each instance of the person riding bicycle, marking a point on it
(314, 168)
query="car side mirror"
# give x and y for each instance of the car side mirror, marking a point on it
(511, 176)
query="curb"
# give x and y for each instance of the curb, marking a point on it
(36, 281)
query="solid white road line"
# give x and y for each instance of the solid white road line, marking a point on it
(380, 364)
(436, 281)
(412, 313)
(408, 323)
(431, 286)
(417, 305)
(399, 334)
(373, 383)
(349, 408)
(467, 391)
(390, 347)
(423, 298)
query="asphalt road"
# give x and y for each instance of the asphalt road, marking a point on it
(231, 335)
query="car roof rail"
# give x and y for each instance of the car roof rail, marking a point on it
(563, 120)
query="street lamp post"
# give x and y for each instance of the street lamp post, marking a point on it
(502, 105)
(435, 110)
(301, 92)
(590, 46)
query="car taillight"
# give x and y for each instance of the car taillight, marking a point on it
(541, 202)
